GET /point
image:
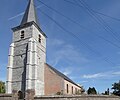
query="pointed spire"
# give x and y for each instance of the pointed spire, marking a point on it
(30, 14)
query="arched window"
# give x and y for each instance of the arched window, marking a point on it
(67, 89)
(20, 95)
(75, 90)
(22, 34)
(39, 39)
(72, 89)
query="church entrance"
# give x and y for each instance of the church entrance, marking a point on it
(20, 95)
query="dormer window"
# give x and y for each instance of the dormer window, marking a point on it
(22, 34)
(39, 39)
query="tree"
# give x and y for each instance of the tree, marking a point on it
(2, 87)
(116, 88)
(91, 90)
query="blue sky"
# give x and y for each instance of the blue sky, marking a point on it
(91, 57)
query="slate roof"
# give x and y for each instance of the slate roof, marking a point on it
(30, 14)
(62, 75)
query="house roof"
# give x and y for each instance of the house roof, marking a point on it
(62, 75)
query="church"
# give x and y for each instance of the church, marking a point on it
(27, 68)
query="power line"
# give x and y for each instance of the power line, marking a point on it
(106, 26)
(101, 37)
(62, 14)
(99, 20)
(71, 33)
(107, 15)
(75, 36)
(75, 4)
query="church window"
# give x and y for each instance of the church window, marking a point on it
(67, 88)
(22, 34)
(39, 39)
(72, 89)
(75, 90)
(20, 95)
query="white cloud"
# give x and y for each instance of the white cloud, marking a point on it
(20, 14)
(67, 73)
(60, 51)
(81, 82)
(54, 42)
(93, 75)
(109, 74)
(116, 73)
(54, 61)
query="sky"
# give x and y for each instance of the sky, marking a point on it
(83, 38)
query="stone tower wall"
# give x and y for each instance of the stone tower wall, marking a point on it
(26, 61)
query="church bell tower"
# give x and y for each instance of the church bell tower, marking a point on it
(27, 55)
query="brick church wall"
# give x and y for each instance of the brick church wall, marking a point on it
(53, 82)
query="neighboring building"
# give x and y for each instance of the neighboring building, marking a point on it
(27, 68)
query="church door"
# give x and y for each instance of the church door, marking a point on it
(20, 95)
